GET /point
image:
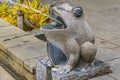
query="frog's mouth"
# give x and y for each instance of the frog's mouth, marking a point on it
(56, 24)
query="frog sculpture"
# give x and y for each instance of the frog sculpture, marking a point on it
(69, 39)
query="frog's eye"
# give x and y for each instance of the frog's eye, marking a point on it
(77, 11)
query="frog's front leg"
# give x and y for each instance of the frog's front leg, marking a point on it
(72, 48)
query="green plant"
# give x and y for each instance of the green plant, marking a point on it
(9, 13)
(3, 8)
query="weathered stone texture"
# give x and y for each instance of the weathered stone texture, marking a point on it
(106, 54)
(20, 50)
(106, 77)
(10, 30)
(4, 75)
(115, 67)
(44, 72)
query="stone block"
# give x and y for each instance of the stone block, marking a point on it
(9, 30)
(45, 73)
(106, 77)
(31, 64)
(17, 40)
(27, 52)
(15, 68)
(115, 75)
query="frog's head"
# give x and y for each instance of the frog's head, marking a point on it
(64, 16)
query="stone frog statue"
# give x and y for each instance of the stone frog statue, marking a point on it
(69, 39)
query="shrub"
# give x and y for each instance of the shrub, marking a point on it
(9, 13)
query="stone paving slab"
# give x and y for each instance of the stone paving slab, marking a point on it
(4, 75)
(17, 40)
(116, 41)
(10, 30)
(106, 54)
(27, 52)
(6, 39)
(115, 67)
(4, 23)
(117, 49)
(15, 67)
(115, 75)
(109, 36)
(106, 77)
(104, 44)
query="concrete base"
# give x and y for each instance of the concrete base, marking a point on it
(45, 73)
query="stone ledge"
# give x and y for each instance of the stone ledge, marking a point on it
(106, 77)
(20, 49)
(15, 68)
(10, 30)
(17, 40)
(31, 64)
(27, 53)
(44, 72)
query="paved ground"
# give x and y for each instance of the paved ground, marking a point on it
(4, 75)
(104, 18)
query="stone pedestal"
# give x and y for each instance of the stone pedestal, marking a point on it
(45, 73)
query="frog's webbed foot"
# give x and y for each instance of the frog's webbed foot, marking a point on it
(46, 60)
(63, 70)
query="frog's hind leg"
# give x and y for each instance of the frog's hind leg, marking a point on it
(88, 52)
